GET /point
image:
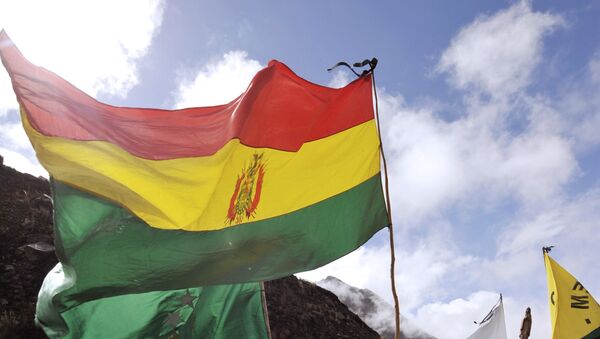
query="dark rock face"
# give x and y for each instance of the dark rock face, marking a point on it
(300, 309)
(25, 218)
(297, 309)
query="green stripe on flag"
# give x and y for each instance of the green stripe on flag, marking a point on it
(106, 251)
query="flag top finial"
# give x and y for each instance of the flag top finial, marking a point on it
(547, 249)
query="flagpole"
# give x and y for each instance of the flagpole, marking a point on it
(265, 309)
(372, 64)
(389, 211)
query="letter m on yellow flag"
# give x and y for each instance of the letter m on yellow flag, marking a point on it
(573, 310)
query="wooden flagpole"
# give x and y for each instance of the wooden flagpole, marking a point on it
(389, 212)
(372, 64)
(265, 309)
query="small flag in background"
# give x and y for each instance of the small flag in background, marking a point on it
(283, 179)
(573, 311)
(493, 325)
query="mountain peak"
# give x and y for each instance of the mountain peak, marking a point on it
(372, 309)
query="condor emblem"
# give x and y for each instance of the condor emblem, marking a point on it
(246, 194)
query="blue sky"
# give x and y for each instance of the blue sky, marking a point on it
(490, 115)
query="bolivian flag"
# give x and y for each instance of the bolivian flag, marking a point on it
(573, 311)
(283, 179)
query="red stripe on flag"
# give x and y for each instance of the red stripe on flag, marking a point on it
(279, 110)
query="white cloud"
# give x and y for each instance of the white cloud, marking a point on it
(218, 82)
(424, 271)
(477, 161)
(22, 163)
(454, 319)
(94, 45)
(373, 262)
(580, 105)
(594, 67)
(8, 100)
(570, 225)
(503, 147)
(13, 136)
(516, 267)
(497, 54)
(17, 150)
(419, 270)
(424, 161)
(340, 79)
(435, 164)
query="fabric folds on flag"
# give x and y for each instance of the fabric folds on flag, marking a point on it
(573, 311)
(493, 325)
(283, 179)
(222, 311)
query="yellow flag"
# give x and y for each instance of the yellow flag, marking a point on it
(573, 311)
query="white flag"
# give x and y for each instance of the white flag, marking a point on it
(492, 326)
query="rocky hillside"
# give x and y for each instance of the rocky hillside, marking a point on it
(25, 227)
(373, 310)
(300, 309)
(297, 309)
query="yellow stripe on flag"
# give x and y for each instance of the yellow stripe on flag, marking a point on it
(195, 194)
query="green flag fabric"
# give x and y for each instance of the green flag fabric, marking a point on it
(129, 308)
(223, 311)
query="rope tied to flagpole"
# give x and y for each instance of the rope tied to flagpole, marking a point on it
(372, 63)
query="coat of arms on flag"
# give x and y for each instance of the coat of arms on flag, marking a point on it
(248, 188)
